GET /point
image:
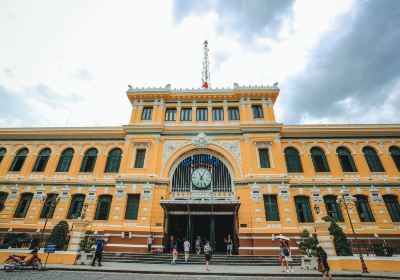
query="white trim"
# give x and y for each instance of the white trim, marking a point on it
(261, 248)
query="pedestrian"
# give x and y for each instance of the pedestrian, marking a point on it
(281, 255)
(99, 251)
(172, 240)
(198, 245)
(174, 247)
(149, 243)
(323, 265)
(229, 245)
(287, 256)
(186, 247)
(207, 253)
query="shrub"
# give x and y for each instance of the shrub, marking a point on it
(58, 236)
(308, 246)
(340, 241)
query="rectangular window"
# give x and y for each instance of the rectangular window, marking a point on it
(303, 209)
(146, 113)
(202, 114)
(271, 208)
(132, 207)
(364, 210)
(233, 114)
(139, 159)
(257, 112)
(264, 158)
(23, 205)
(170, 114)
(218, 114)
(186, 114)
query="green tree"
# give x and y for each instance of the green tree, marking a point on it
(58, 236)
(308, 245)
(340, 241)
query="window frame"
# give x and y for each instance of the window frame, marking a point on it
(189, 114)
(201, 114)
(274, 206)
(230, 109)
(215, 114)
(361, 209)
(65, 160)
(113, 162)
(103, 197)
(257, 111)
(19, 159)
(395, 156)
(84, 162)
(136, 207)
(308, 208)
(394, 210)
(336, 215)
(136, 158)
(46, 209)
(260, 165)
(346, 154)
(297, 155)
(81, 202)
(42, 160)
(3, 153)
(319, 160)
(166, 117)
(147, 113)
(26, 206)
(372, 158)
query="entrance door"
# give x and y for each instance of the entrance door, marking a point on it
(178, 227)
(224, 225)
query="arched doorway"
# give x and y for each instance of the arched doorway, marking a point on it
(202, 201)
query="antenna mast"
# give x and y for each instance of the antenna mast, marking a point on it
(206, 70)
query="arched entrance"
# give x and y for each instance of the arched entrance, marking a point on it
(202, 202)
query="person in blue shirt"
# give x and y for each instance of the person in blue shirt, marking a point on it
(99, 251)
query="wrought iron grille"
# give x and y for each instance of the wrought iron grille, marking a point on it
(221, 178)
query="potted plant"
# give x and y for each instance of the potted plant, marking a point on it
(86, 248)
(308, 248)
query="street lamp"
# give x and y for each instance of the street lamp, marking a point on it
(51, 204)
(346, 201)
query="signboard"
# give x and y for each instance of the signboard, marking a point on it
(50, 249)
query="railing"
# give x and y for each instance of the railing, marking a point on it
(375, 246)
(24, 240)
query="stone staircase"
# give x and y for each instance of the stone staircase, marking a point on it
(195, 259)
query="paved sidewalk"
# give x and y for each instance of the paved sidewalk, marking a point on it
(227, 270)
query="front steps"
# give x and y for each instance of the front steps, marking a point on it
(195, 259)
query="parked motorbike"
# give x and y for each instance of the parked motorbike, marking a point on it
(18, 262)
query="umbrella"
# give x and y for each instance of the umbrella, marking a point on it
(280, 236)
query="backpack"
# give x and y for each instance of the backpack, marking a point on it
(286, 252)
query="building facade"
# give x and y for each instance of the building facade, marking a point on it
(201, 162)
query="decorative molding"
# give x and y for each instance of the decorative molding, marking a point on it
(169, 148)
(374, 194)
(91, 194)
(255, 192)
(120, 192)
(316, 195)
(284, 192)
(147, 192)
(201, 140)
(233, 146)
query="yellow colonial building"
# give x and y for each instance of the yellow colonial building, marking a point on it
(201, 162)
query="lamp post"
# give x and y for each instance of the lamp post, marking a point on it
(346, 201)
(51, 204)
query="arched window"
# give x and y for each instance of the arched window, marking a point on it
(346, 160)
(319, 160)
(103, 207)
(372, 158)
(76, 206)
(49, 206)
(392, 205)
(113, 160)
(332, 208)
(363, 209)
(41, 161)
(65, 160)
(89, 160)
(395, 153)
(303, 209)
(3, 198)
(23, 205)
(19, 160)
(2, 154)
(293, 162)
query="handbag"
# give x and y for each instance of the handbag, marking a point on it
(321, 267)
(280, 259)
(175, 252)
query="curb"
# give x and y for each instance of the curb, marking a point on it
(340, 275)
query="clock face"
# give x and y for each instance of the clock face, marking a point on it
(201, 178)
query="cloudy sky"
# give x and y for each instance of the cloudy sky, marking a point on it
(68, 63)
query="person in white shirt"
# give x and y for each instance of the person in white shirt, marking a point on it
(186, 246)
(149, 243)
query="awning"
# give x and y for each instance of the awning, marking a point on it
(200, 207)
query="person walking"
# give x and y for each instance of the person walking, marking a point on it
(281, 256)
(323, 265)
(229, 245)
(198, 245)
(149, 243)
(174, 247)
(287, 256)
(207, 253)
(99, 251)
(186, 248)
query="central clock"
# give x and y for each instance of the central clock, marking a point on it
(201, 178)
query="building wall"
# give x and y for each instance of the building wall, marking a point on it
(166, 143)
